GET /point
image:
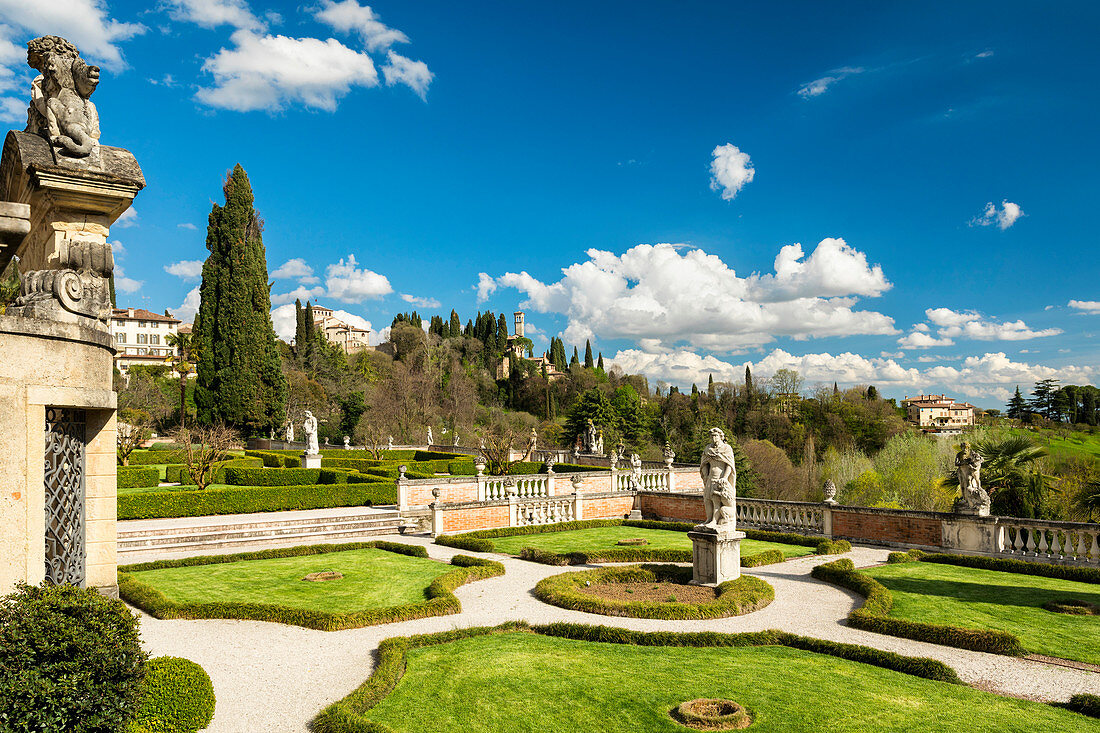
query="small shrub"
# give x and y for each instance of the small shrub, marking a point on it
(898, 557)
(153, 457)
(833, 547)
(132, 477)
(249, 500)
(179, 697)
(767, 557)
(1085, 704)
(70, 660)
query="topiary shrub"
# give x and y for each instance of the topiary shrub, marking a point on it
(767, 557)
(1085, 704)
(70, 660)
(132, 477)
(833, 547)
(179, 697)
(896, 557)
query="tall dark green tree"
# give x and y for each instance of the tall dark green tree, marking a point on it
(588, 363)
(455, 327)
(240, 379)
(1017, 406)
(599, 362)
(575, 359)
(1042, 398)
(748, 387)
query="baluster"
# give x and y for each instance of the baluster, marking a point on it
(1041, 547)
(1094, 552)
(1018, 540)
(1030, 541)
(1055, 546)
(999, 533)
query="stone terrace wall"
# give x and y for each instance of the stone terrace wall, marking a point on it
(889, 526)
(478, 516)
(608, 507)
(671, 507)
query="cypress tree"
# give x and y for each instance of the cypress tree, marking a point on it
(599, 362)
(299, 325)
(469, 328)
(240, 379)
(502, 333)
(710, 385)
(588, 364)
(455, 328)
(575, 359)
(748, 386)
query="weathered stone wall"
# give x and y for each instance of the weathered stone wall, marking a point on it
(609, 507)
(888, 526)
(44, 365)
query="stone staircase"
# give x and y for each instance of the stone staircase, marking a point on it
(139, 540)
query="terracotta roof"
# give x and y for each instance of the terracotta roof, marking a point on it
(185, 328)
(140, 314)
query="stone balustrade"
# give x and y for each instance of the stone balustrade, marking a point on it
(544, 510)
(525, 486)
(1029, 539)
(788, 516)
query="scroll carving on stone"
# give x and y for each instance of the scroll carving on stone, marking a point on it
(61, 107)
(80, 286)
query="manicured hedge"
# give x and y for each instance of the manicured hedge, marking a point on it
(1005, 565)
(347, 715)
(611, 554)
(248, 500)
(177, 474)
(271, 459)
(179, 697)
(767, 557)
(735, 597)
(873, 615)
(833, 547)
(440, 598)
(283, 476)
(153, 457)
(131, 477)
(358, 464)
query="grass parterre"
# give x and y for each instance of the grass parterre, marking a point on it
(567, 677)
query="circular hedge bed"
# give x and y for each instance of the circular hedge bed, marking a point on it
(574, 591)
(707, 713)
(179, 697)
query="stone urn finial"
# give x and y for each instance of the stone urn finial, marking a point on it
(479, 464)
(614, 457)
(435, 493)
(550, 463)
(576, 480)
(668, 454)
(401, 470)
(830, 492)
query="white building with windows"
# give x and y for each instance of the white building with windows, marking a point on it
(140, 337)
(937, 413)
(348, 337)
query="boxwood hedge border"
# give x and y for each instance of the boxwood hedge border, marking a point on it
(873, 615)
(348, 714)
(440, 600)
(734, 597)
(252, 499)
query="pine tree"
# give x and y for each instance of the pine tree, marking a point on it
(599, 362)
(1017, 406)
(240, 379)
(588, 364)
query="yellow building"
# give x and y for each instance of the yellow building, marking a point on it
(937, 413)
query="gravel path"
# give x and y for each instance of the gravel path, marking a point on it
(270, 677)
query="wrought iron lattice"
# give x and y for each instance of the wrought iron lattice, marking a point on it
(64, 471)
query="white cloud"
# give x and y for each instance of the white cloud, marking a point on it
(284, 321)
(301, 293)
(125, 284)
(118, 249)
(293, 269)
(187, 225)
(190, 306)
(421, 302)
(992, 375)
(13, 109)
(271, 72)
(1087, 306)
(833, 269)
(730, 170)
(185, 269)
(972, 325)
(350, 284)
(84, 22)
(817, 87)
(656, 292)
(127, 219)
(349, 16)
(922, 340)
(1003, 217)
(413, 74)
(352, 320)
(486, 286)
(214, 13)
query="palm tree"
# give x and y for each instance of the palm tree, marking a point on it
(1088, 501)
(183, 363)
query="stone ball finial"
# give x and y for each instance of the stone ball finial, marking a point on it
(402, 469)
(436, 492)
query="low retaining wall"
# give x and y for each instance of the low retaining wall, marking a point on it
(517, 512)
(889, 526)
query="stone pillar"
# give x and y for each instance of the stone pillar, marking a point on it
(310, 460)
(827, 519)
(578, 506)
(716, 555)
(437, 513)
(971, 534)
(402, 491)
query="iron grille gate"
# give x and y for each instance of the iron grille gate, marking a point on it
(65, 444)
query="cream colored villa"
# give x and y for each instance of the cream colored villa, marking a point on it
(347, 337)
(140, 337)
(937, 413)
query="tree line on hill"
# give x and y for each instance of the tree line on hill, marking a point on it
(1070, 403)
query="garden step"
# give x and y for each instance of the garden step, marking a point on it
(298, 527)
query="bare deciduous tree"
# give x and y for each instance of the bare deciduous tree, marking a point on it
(201, 448)
(134, 427)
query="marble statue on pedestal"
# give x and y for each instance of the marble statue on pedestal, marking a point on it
(719, 472)
(347, 442)
(973, 499)
(61, 108)
(290, 432)
(389, 443)
(635, 471)
(431, 441)
(309, 430)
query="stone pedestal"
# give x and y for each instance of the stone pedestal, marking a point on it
(716, 555)
(311, 460)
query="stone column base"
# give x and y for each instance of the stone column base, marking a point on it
(716, 555)
(311, 461)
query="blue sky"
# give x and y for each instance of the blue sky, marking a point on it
(636, 173)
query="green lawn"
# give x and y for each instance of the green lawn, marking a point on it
(602, 538)
(1065, 444)
(988, 599)
(518, 682)
(372, 579)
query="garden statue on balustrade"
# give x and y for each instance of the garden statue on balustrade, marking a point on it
(973, 499)
(311, 456)
(290, 432)
(347, 442)
(635, 471)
